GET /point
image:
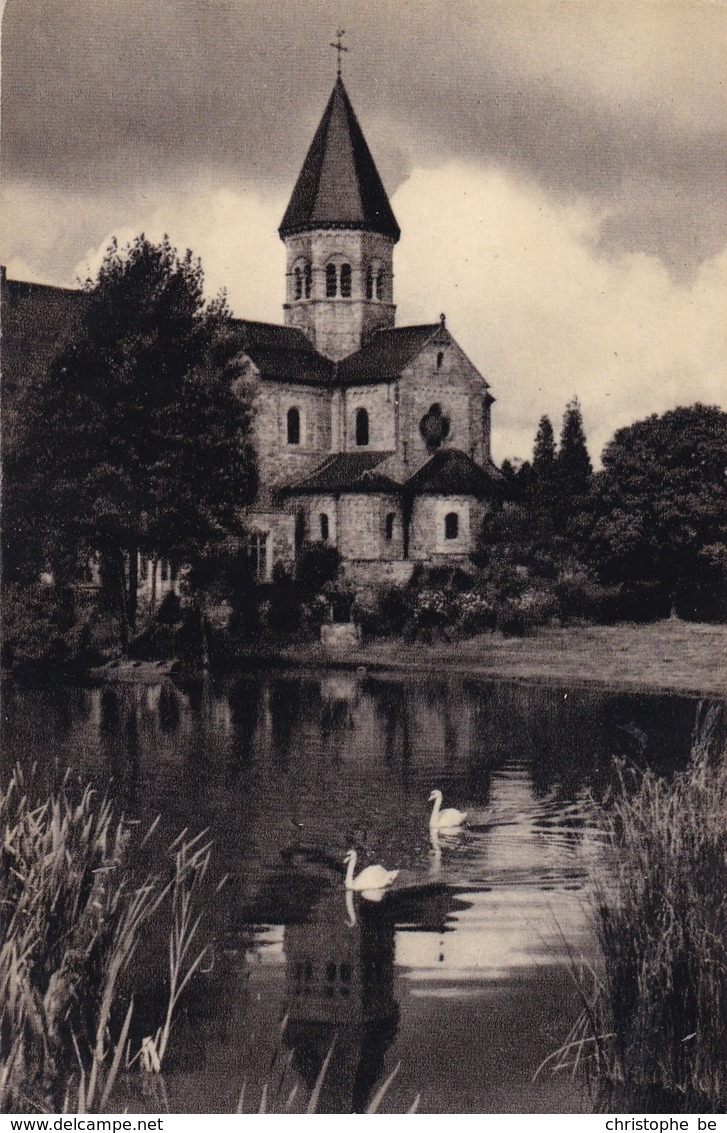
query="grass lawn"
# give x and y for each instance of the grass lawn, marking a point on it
(668, 655)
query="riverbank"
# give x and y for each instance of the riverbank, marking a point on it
(668, 656)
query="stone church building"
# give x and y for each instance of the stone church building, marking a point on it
(370, 437)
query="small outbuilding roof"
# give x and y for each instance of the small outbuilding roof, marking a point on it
(347, 472)
(451, 472)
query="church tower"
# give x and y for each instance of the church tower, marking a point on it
(339, 232)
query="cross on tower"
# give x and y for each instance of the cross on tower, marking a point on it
(338, 46)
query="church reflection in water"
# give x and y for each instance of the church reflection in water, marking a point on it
(340, 991)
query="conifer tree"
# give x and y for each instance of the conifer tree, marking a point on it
(542, 488)
(574, 463)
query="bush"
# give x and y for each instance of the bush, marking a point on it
(40, 628)
(317, 564)
(474, 612)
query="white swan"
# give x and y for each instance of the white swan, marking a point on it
(373, 877)
(444, 819)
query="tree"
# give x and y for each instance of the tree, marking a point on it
(574, 463)
(542, 487)
(544, 447)
(138, 441)
(659, 512)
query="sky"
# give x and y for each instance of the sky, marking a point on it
(558, 169)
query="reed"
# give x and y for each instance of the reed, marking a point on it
(71, 918)
(652, 1034)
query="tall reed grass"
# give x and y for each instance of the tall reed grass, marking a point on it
(653, 1031)
(71, 918)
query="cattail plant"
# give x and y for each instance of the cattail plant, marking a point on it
(652, 1034)
(71, 918)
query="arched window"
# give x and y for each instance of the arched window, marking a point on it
(293, 425)
(331, 281)
(369, 282)
(325, 527)
(297, 284)
(451, 525)
(390, 526)
(308, 280)
(362, 427)
(346, 281)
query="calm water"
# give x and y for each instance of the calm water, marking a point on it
(461, 973)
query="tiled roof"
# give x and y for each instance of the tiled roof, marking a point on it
(282, 353)
(347, 472)
(339, 185)
(385, 355)
(451, 472)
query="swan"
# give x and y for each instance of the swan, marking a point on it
(444, 819)
(373, 877)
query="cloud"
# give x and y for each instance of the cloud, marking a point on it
(545, 314)
(623, 100)
(233, 233)
(527, 287)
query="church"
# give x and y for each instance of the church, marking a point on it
(370, 437)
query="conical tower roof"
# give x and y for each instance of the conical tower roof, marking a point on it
(339, 185)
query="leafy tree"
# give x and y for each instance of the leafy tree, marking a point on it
(138, 439)
(659, 512)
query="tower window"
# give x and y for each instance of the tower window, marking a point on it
(346, 281)
(362, 427)
(369, 283)
(325, 527)
(297, 284)
(331, 281)
(308, 280)
(440, 359)
(390, 526)
(451, 525)
(379, 285)
(293, 426)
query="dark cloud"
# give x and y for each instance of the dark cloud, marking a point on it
(104, 98)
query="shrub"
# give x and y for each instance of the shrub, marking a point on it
(316, 565)
(40, 628)
(475, 612)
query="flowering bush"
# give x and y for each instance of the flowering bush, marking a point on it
(475, 612)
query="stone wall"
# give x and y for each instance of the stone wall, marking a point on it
(427, 532)
(278, 461)
(338, 326)
(380, 403)
(442, 374)
(362, 527)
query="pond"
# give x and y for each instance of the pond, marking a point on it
(463, 972)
